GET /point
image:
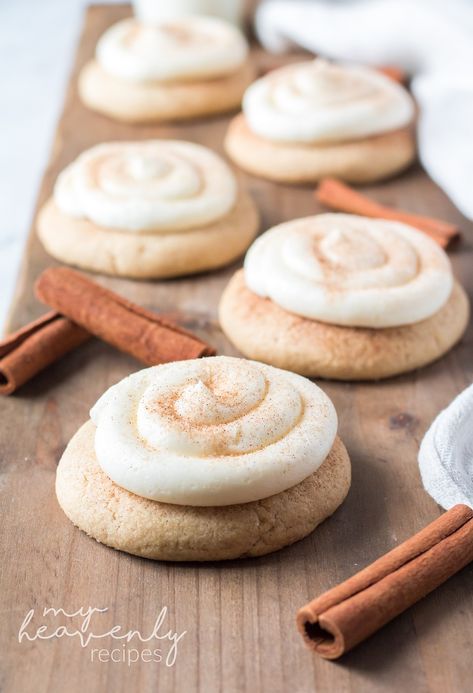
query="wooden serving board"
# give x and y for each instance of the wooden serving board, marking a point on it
(239, 616)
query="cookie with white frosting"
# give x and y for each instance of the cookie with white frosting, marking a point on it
(175, 69)
(209, 459)
(314, 119)
(345, 297)
(149, 209)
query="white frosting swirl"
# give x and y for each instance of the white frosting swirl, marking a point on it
(317, 101)
(185, 48)
(213, 431)
(349, 270)
(150, 186)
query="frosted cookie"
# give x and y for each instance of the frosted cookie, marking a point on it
(208, 459)
(344, 297)
(315, 119)
(150, 209)
(171, 70)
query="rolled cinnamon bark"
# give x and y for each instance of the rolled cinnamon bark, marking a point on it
(121, 323)
(28, 351)
(341, 618)
(394, 73)
(341, 197)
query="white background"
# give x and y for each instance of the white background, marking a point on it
(37, 44)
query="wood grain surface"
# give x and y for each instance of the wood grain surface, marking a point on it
(239, 616)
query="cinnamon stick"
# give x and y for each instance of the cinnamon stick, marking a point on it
(121, 323)
(28, 351)
(341, 618)
(394, 73)
(342, 198)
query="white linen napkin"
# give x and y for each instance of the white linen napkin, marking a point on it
(446, 454)
(430, 39)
